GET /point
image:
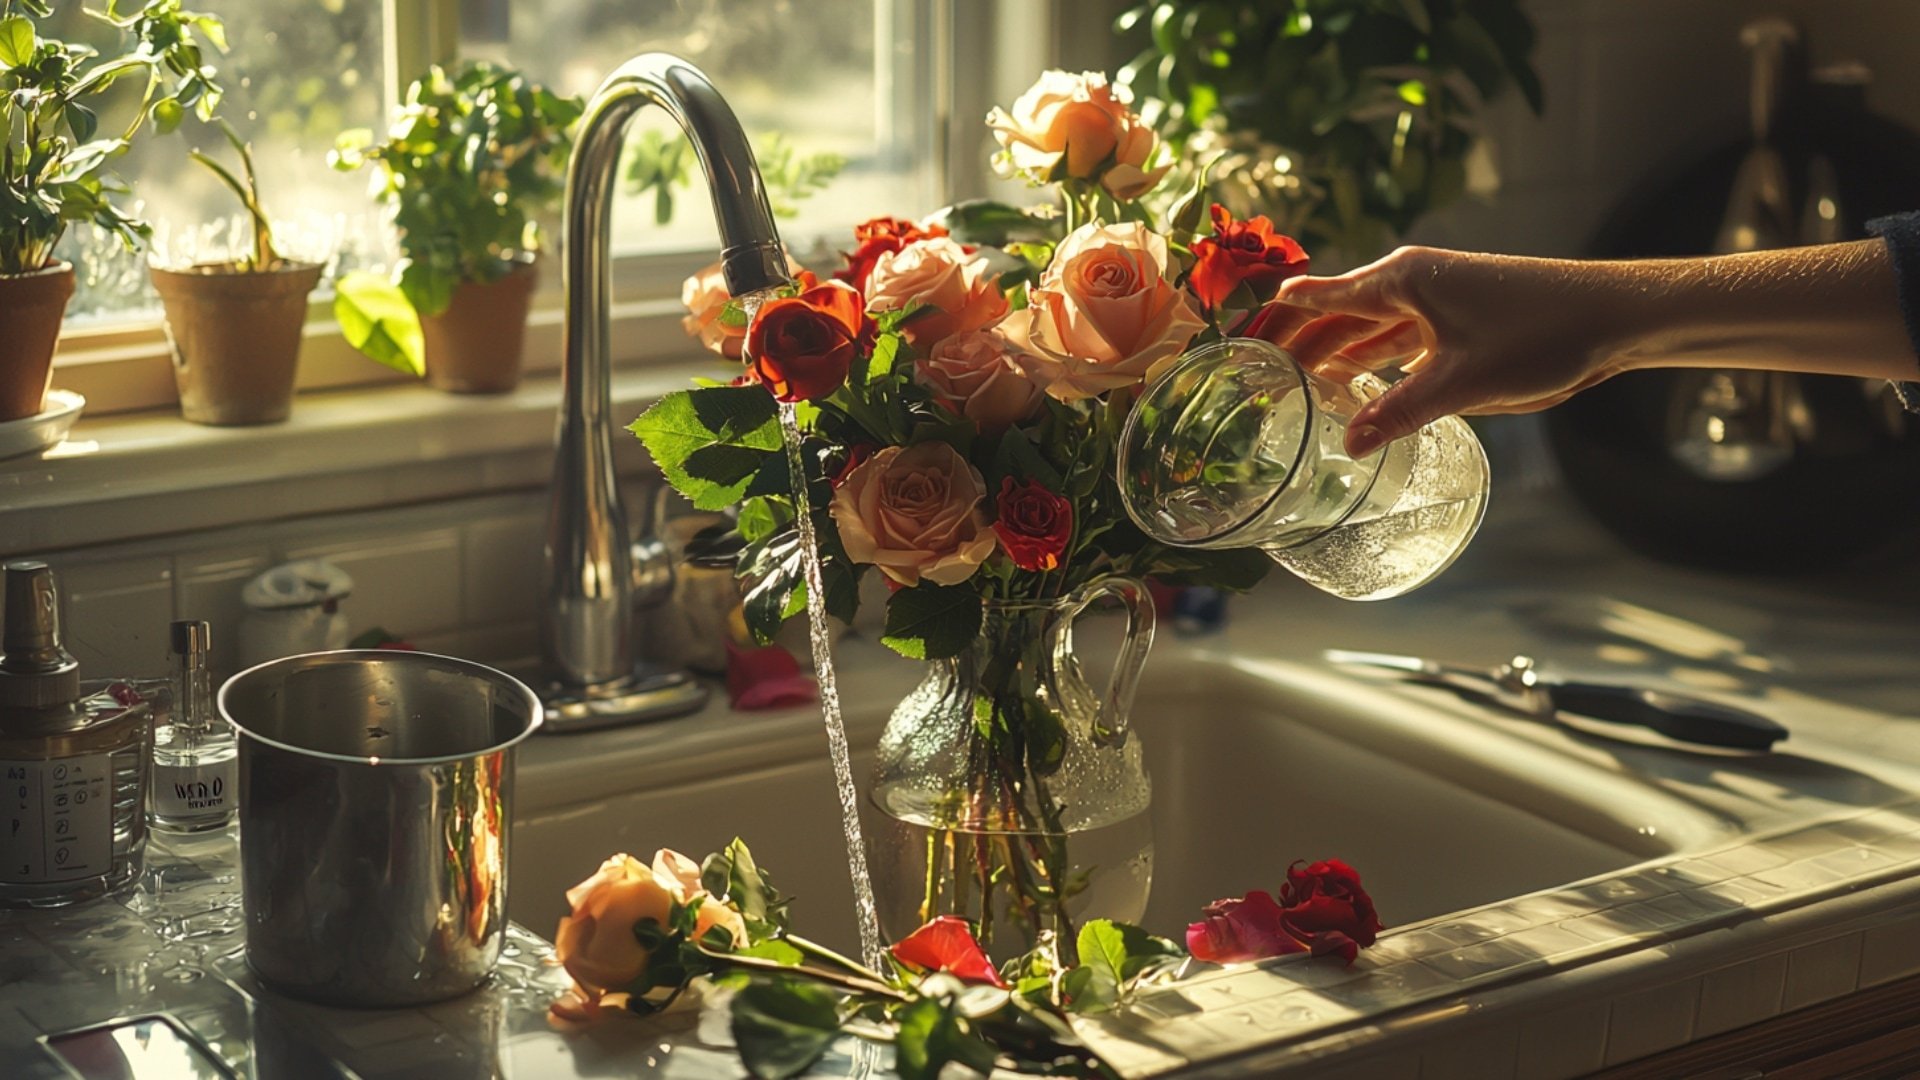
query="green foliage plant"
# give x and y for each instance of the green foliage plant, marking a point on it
(1345, 121)
(473, 157)
(260, 254)
(53, 162)
(658, 163)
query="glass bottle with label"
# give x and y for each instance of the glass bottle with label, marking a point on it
(194, 754)
(73, 770)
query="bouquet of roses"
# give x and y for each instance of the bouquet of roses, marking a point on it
(962, 382)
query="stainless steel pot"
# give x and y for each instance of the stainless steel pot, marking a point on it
(375, 805)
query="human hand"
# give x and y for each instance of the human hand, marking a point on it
(1473, 334)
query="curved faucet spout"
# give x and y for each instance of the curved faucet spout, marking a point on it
(587, 630)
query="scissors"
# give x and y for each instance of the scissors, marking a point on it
(1518, 686)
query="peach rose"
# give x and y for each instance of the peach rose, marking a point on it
(1102, 315)
(1079, 127)
(975, 374)
(705, 297)
(914, 511)
(948, 288)
(595, 943)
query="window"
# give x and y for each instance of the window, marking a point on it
(868, 80)
(828, 76)
(299, 72)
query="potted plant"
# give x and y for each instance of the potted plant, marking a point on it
(235, 325)
(53, 159)
(472, 157)
(1346, 120)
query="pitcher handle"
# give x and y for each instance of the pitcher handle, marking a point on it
(1110, 726)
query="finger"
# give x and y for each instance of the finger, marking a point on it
(1276, 322)
(1364, 292)
(1399, 342)
(1329, 335)
(1407, 406)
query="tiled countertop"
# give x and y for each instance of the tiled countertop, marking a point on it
(175, 944)
(1808, 893)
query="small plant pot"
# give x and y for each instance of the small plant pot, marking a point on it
(236, 339)
(32, 307)
(474, 346)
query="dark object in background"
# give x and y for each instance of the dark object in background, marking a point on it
(1840, 463)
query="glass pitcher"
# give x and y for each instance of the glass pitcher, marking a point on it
(1237, 446)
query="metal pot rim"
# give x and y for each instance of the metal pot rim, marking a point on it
(535, 711)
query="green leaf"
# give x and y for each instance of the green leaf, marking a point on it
(16, 41)
(682, 429)
(931, 1036)
(932, 622)
(1113, 955)
(775, 950)
(376, 319)
(985, 221)
(886, 351)
(782, 1026)
(733, 876)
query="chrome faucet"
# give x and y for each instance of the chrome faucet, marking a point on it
(595, 572)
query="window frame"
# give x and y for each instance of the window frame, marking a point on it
(126, 366)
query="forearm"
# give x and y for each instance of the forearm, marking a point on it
(1831, 309)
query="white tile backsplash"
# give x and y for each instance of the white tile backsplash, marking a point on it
(503, 569)
(116, 614)
(207, 584)
(407, 583)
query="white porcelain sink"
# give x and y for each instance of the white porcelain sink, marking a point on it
(1254, 764)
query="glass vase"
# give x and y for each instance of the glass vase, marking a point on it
(1009, 791)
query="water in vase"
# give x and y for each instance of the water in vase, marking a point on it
(925, 870)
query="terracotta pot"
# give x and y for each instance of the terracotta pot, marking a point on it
(31, 309)
(474, 346)
(236, 339)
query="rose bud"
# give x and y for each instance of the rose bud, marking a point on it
(801, 348)
(1034, 524)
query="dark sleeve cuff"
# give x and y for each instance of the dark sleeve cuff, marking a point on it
(1901, 232)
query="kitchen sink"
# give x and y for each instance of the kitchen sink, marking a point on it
(1254, 764)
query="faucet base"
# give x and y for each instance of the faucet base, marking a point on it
(649, 693)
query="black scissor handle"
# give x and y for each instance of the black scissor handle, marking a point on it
(1677, 716)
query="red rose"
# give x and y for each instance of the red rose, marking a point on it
(1231, 931)
(1242, 251)
(1322, 909)
(1327, 909)
(801, 347)
(947, 944)
(1033, 524)
(880, 236)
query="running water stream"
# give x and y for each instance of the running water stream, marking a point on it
(872, 951)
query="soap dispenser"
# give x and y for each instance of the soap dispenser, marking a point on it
(73, 770)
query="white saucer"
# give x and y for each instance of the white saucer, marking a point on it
(32, 434)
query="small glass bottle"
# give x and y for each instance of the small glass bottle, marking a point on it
(195, 766)
(73, 770)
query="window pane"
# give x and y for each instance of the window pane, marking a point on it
(300, 72)
(828, 76)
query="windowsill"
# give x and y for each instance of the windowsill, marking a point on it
(145, 474)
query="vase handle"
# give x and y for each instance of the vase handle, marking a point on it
(1110, 725)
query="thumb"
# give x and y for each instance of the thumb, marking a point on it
(1407, 406)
